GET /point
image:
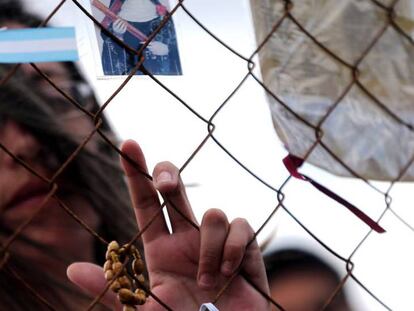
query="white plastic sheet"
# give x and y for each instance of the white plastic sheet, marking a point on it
(371, 142)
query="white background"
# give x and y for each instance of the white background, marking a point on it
(166, 130)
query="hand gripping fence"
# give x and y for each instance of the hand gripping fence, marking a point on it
(287, 15)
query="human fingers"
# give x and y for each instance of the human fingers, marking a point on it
(119, 26)
(242, 250)
(90, 278)
(240, 234)
(143, 195)
(116, 25)
(213, 233)
(117, 22)
(168, 181)
(120, 22)
(124, 26)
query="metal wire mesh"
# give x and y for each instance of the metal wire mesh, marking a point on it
(211, 137)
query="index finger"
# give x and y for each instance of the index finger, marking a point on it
(143, 194)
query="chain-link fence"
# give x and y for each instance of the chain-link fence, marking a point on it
(286, 23)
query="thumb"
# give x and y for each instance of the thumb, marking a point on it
(90, 278)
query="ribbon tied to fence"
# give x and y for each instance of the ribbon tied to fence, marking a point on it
(292, 164)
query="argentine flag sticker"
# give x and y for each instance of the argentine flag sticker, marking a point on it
(35, 45)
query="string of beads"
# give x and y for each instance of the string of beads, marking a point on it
(128, 288)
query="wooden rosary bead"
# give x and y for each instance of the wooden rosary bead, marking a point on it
(107, 266)
(113, 246)
(109, 275)
(126, 296)
(117, 267)
(112, 256)
(140, 296)
(138, 266)
(115, 286)
(125, 282)
(122, 285)
(141, 279)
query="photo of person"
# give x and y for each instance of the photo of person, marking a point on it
(133, 21)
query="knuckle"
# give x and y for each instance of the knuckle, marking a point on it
(209, 258)
(146, 202)
(234, 250)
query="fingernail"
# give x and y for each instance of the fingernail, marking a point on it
(227, 268)
(164, 177)
(207, 281)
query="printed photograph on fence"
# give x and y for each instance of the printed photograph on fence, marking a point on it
(133, 22)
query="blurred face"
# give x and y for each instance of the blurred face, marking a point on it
(57, 72)
(22, 193)
(305, 291)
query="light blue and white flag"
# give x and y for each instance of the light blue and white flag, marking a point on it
(35, 45)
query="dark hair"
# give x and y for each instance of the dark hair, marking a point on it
(95, 174)
(10, 8)
(12, 11)
(287, 260)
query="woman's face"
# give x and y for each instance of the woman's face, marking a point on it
(21, 193)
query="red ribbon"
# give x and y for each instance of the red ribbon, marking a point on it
(292, 164)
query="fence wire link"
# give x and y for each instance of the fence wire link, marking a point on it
(96, 118)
